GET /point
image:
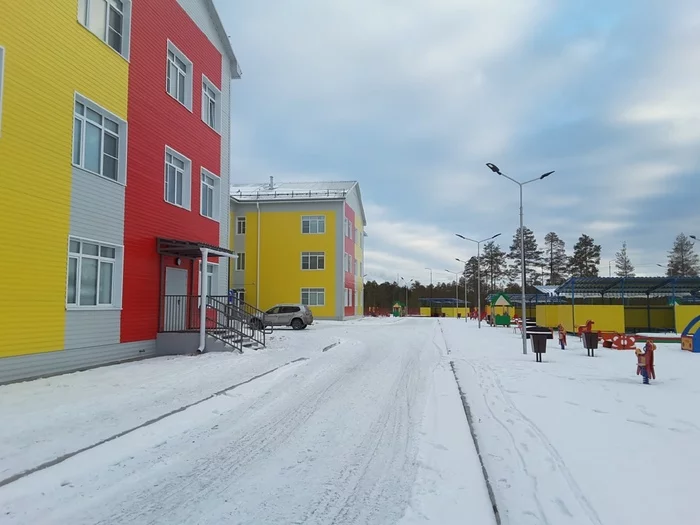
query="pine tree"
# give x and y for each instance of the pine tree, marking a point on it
(471, 276)
(586, 258)
(556, 258)
(533, 257)
(493, 264)
(623, 265)
(682, 259)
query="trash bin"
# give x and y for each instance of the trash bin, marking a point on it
(538, 340)
(590, 342)
(459, 315)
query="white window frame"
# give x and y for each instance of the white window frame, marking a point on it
(241, 221)
(84, 7)
(216, 99)
(319, 220)
(2, 81)
(117, 269)
(189, 76)
(240, 262)
(212, 274)
(316, 293)
(186, 178)
(204, 185)
(309, 256)
(121, 135)
(354, 267)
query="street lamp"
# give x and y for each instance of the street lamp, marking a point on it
(496, 170)
(466, 317)
(456, 274)
(431, 288)
(478, 266)
(407, 284)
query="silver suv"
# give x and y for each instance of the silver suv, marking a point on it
(298, 316)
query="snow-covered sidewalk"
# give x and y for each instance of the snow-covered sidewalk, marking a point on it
(579, 440)
(369, 431)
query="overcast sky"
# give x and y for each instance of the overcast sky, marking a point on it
(411, 98)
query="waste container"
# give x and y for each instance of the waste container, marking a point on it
(538, 340)
(590, 342)
(459, 315)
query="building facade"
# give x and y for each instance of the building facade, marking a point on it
(299, 243)
(126, 143)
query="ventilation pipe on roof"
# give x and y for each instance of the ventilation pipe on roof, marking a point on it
(272, 182)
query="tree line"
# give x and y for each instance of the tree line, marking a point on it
(548, 264)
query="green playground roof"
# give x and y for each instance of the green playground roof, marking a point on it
(629, 286)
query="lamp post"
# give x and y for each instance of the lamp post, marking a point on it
(407, 284)
(431, 288)
(496, 170)
(466, 317)
(478, 269)
(456, 274)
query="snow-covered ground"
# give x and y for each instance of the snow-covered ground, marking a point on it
(580, 440)
(358, 422)
(370, 430)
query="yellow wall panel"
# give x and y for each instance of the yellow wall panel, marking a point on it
(48, 56)
(685, 314)
(281, 244)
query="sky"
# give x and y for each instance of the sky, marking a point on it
(412, 98)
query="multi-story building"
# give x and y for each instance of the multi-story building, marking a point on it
(299, 243)
(114, 166)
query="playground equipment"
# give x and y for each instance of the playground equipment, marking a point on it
(503, 318)
(691, 342)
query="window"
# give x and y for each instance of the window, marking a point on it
(313, 224)
(177, 179)
(209, 197)
(348, 297)
(109, 20)
(2, 76)
(354, 266)
(313, 260)
(240, 225)
(99, 140)
(313, 296)
(347, 262)
(211, 104)
(355, 237)
(240, 262)
(179, 76)
(91, 273)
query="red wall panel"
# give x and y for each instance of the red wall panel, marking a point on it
(349, 244)
(155, 120)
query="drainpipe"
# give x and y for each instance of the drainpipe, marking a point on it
(203, 303)
(257, 261)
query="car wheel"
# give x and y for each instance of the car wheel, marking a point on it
(298, 324)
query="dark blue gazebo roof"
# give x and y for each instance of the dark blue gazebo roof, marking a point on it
(442, 301)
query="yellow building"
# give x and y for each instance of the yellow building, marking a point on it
(299, 243)
(52, 62)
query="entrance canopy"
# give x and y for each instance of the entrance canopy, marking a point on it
(629, 287)
(189, 249)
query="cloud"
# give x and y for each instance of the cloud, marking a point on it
(413, 98)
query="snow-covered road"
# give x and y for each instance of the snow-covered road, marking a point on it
(370, 431)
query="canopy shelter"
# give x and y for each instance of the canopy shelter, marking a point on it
(195, 250)
(630, 304)
(449, 302)
(629, 287)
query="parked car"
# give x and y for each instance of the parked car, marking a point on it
(298, 316)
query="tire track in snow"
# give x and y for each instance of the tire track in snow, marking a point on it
(494, 392)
